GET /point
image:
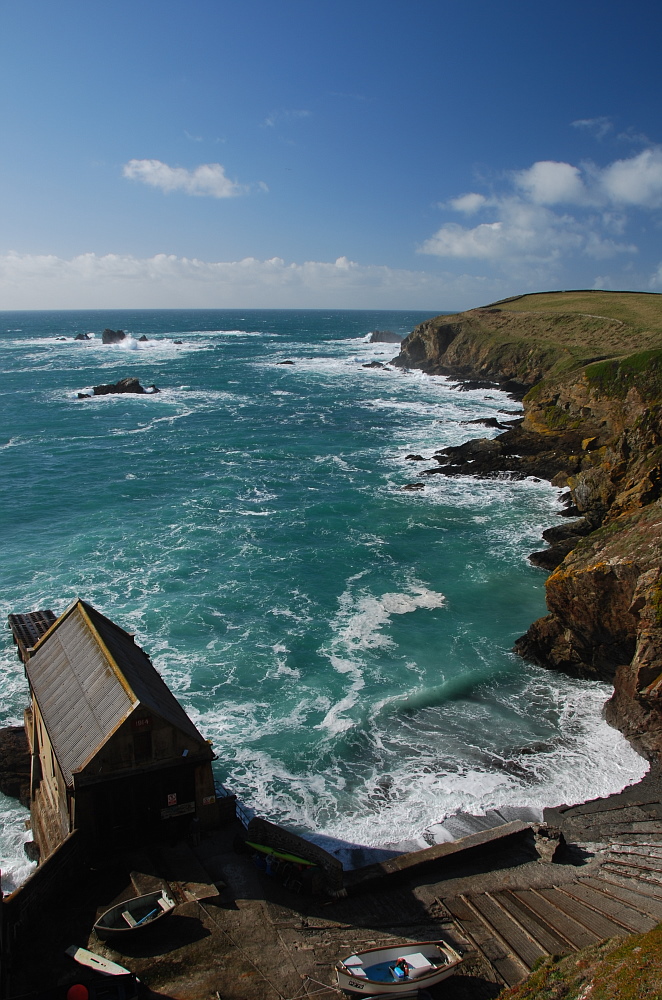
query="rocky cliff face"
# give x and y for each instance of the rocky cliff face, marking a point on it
(596, 428)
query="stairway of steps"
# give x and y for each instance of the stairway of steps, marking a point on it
(618, 891)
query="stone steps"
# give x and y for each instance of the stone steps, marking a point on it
(513, 928)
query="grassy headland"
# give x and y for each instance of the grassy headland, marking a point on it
(544, 336)
(614, 970)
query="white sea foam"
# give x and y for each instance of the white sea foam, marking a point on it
(158, 346)
(225, 333)
(418, 795)
(358, 630)
(14, 864)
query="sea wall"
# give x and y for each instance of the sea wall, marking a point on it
(29, 911)
(596, 428)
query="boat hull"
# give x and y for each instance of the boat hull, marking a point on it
(134, 916)
(368, 973)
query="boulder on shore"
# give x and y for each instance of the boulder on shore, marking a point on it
(124, 385)
(15, 764)
(112, 336)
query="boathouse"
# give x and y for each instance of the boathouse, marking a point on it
(114, 754)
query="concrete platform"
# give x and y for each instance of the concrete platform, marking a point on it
(500, 903)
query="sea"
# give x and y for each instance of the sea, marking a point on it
(343, 642)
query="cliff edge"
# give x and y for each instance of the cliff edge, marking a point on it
(588, 368)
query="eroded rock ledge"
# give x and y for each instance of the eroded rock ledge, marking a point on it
(591, 422)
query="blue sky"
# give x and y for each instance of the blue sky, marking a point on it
(431, 154)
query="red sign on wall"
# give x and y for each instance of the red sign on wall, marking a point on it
(172, 799)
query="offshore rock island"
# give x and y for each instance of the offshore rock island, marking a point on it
(588, 368)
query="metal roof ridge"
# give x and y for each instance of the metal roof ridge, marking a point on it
(47, 634)
(104, 649)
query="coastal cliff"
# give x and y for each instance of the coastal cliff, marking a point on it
(588, 368)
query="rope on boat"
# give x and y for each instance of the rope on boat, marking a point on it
(325, 989)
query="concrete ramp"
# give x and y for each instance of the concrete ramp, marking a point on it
(407, 863)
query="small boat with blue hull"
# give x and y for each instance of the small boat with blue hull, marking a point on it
(399, 971)
(134, 915)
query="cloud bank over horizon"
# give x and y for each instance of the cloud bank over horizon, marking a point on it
(91, 281)
(167, 281)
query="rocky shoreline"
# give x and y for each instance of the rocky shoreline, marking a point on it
(595, 429)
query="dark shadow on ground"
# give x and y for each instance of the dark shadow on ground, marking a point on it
(175, 932)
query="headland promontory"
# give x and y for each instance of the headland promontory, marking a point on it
(587, 366)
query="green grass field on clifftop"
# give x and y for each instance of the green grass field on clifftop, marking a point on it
(577, 328)
(544, 339)
(639, 310)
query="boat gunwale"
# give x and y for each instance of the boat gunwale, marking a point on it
(395, 987)
(126, 904)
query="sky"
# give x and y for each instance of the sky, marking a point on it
(395, 154)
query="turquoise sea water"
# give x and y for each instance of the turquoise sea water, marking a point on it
(344, 644)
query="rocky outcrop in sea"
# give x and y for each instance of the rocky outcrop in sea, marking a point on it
(385, 337)
(129, 384)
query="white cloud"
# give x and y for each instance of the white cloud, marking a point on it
(206, 181)
(636, 181)
(456, 241)
(551, 183)
(90, 281)
(285, 114)
(468, 203)
(634, 137)
(599, 127)
(523, 231)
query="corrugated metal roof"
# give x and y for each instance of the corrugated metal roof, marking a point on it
(29, 628)
(88, 675)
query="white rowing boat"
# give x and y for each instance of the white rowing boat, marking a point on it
(134, 915)
(400, 970)
(96, 962)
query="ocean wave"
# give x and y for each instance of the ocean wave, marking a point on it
(14, 864)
